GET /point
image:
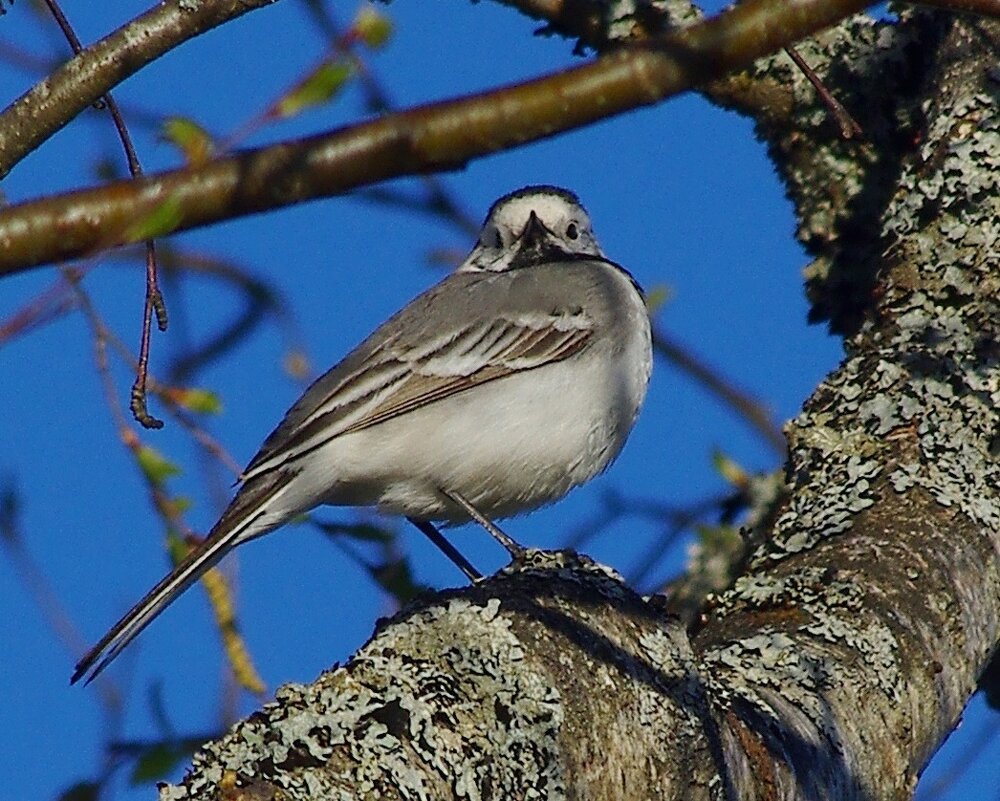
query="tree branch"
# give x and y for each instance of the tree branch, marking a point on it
(85, 78)
(440, 136)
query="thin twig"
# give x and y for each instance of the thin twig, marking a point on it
(675, 525)
(48, 305)
(439, 200)
(442, 207)
(27, 569)
(153, 298)
(23, 59)
(849, 127)
(168, 395)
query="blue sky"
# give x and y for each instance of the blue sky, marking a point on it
(680, 194)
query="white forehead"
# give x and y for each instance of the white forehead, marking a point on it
(554, 209)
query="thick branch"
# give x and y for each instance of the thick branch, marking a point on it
(529, 685)
(435, 137)
(85, 78)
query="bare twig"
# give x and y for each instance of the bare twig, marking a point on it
(674, 524)
(167, 508)
(260, 298)
(153, 299)
(440, 205)
(23, 59)
(27, 569)
(439, 136)
(48, 305)
(171, 397)
(849, 127)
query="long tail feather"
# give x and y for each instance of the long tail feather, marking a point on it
(240, 522)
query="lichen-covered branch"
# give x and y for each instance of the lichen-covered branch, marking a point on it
(88, 76)
(846, 650)
(440, 136)
(485, 693)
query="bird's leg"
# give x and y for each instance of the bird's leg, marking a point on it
(512, 547)
(447, 548)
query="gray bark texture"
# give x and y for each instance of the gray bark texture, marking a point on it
(867, 605)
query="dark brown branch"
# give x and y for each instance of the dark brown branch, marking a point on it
(439, 136)
(81, 81)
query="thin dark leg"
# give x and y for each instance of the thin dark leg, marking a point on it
(447, 548)
(512, 547)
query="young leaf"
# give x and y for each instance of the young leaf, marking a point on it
(372, 27)
(318, 87)
(201, 401)
(160, 221)
(156, 467)
(730, 470)
(156, 763)
(190, 138)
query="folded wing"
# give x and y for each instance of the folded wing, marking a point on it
(395, 378)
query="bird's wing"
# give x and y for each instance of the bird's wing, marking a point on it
(415, 360)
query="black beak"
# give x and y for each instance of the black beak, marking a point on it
(535, 245)
(533, 233)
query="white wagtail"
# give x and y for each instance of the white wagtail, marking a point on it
(513, 380)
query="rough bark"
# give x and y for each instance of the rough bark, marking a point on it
(845, 652)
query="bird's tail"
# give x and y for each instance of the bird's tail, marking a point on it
(245, 518)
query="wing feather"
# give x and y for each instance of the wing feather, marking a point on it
(401, 380)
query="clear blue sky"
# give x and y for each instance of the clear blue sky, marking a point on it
(680, 194)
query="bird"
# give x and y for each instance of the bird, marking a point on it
(513, 380)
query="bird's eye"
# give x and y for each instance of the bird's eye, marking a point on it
(571, 231)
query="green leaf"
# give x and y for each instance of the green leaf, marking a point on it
(177, 547)
(202, 401)
(365, 532)
(372, 27)
(657, 296)
(156, 763)
(729, 469)
(190, 138)
(396, 578)
(81, 791)
(318, 87)
(179, 504)
(160, 221)
(156, 467)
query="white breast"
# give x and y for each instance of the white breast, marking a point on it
(510, 445)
